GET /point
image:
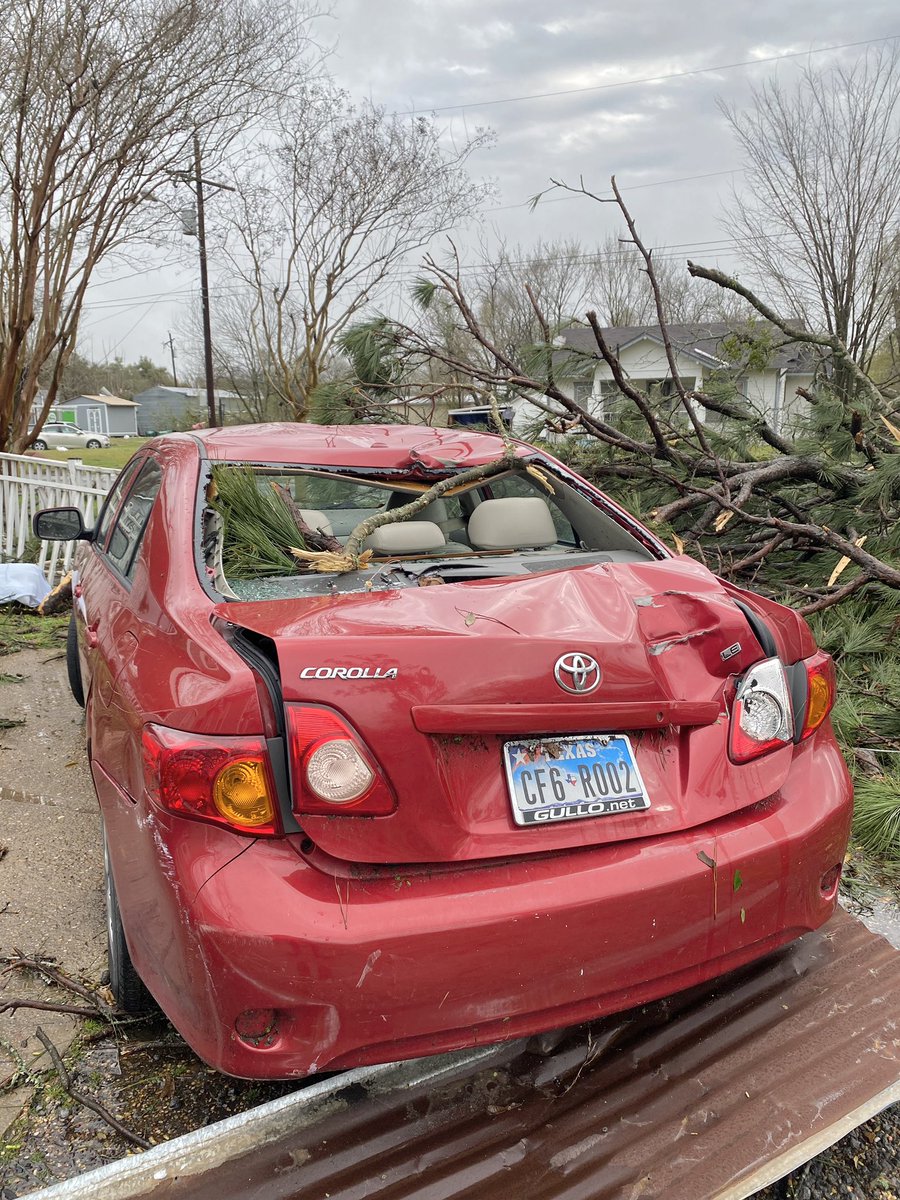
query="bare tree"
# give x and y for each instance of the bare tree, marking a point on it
(557, 274)
(344, 196)
(617, 289)
(817, 213)
(99, 103)
(239, 360)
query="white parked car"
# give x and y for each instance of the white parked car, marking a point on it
(59, 435)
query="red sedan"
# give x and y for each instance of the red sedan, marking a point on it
(510, 767)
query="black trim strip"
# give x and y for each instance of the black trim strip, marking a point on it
(262, 666)
(761, 631)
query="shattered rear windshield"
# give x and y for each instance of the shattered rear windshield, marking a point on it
(273, 532)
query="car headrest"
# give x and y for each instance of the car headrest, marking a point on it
(435, 511)
(405, 537)
(316, 520)
(513, 523)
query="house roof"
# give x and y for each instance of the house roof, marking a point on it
(701, 342)
(194, 392)
(110, 401)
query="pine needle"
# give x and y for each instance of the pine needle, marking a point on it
(258, 526)
(876, 819)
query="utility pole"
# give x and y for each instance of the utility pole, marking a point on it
(195, 177)
(204, 290)
(171, 344)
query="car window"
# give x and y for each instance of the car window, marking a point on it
(112, 501)
(129, 526)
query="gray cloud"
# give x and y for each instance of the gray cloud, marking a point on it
(425, 54)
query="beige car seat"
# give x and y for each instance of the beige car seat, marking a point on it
(512, 523)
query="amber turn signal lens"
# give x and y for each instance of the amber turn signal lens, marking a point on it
(241, 794)
(819, 703)
(820, 692)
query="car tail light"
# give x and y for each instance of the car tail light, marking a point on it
(820, 692)
(763, 717)
(775, 705)
(226, 781)
(332, 771)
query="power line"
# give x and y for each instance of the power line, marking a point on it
(602, 87)
(407, 270)
(634, 187)
(124, 337)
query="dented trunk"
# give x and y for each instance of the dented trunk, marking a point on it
(436, 680)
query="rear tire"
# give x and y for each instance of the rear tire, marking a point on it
(93, 444)
(40, 444)
(73, 663)
(126, 985)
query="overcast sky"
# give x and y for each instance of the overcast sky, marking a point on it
(471, 62)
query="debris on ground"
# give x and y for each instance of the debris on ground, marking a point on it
(59, 600)
(22, 583)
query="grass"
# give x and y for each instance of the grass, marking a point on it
(24, 630)
(115, 455)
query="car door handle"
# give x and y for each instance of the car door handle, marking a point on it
(91, 635)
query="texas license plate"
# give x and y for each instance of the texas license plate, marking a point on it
(564, 779)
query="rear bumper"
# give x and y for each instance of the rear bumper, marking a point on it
(363, 970)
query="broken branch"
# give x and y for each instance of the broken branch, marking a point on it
(87, 1101)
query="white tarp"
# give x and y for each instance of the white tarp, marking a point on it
(22, 582)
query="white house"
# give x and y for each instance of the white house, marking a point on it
(583, 374)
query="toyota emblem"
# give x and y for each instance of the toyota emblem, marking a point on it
(577, 673)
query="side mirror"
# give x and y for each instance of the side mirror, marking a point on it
(60, 525)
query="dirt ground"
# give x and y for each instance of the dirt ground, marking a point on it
(51, 898)
(51, 904)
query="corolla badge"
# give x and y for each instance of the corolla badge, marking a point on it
(348, 673)
(577, 673)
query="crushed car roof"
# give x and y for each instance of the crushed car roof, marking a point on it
(396, 446)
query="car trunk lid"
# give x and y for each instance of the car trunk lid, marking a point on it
(436, 679)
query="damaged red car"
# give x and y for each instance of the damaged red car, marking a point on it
(497, 766)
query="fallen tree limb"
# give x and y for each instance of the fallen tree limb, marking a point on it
(11, 1006)
(94, 1105)
(22, 962)
(828, 341)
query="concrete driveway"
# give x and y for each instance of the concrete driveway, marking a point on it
(51, 875)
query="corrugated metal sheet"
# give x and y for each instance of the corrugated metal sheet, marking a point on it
(712, 1093)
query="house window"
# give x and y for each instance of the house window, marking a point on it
(583, 393)
(613, 404)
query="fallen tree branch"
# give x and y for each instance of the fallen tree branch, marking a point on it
(836, 597)
(11, 1006)
(315, 539)
(674, 373)
(349, 558)
(88, 1101)
(827, 341)
(663, 449)
(22, 962)
(758, 556)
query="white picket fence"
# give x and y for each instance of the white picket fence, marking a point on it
(28, 484)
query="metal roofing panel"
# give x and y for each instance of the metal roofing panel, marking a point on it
(709, 1094)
